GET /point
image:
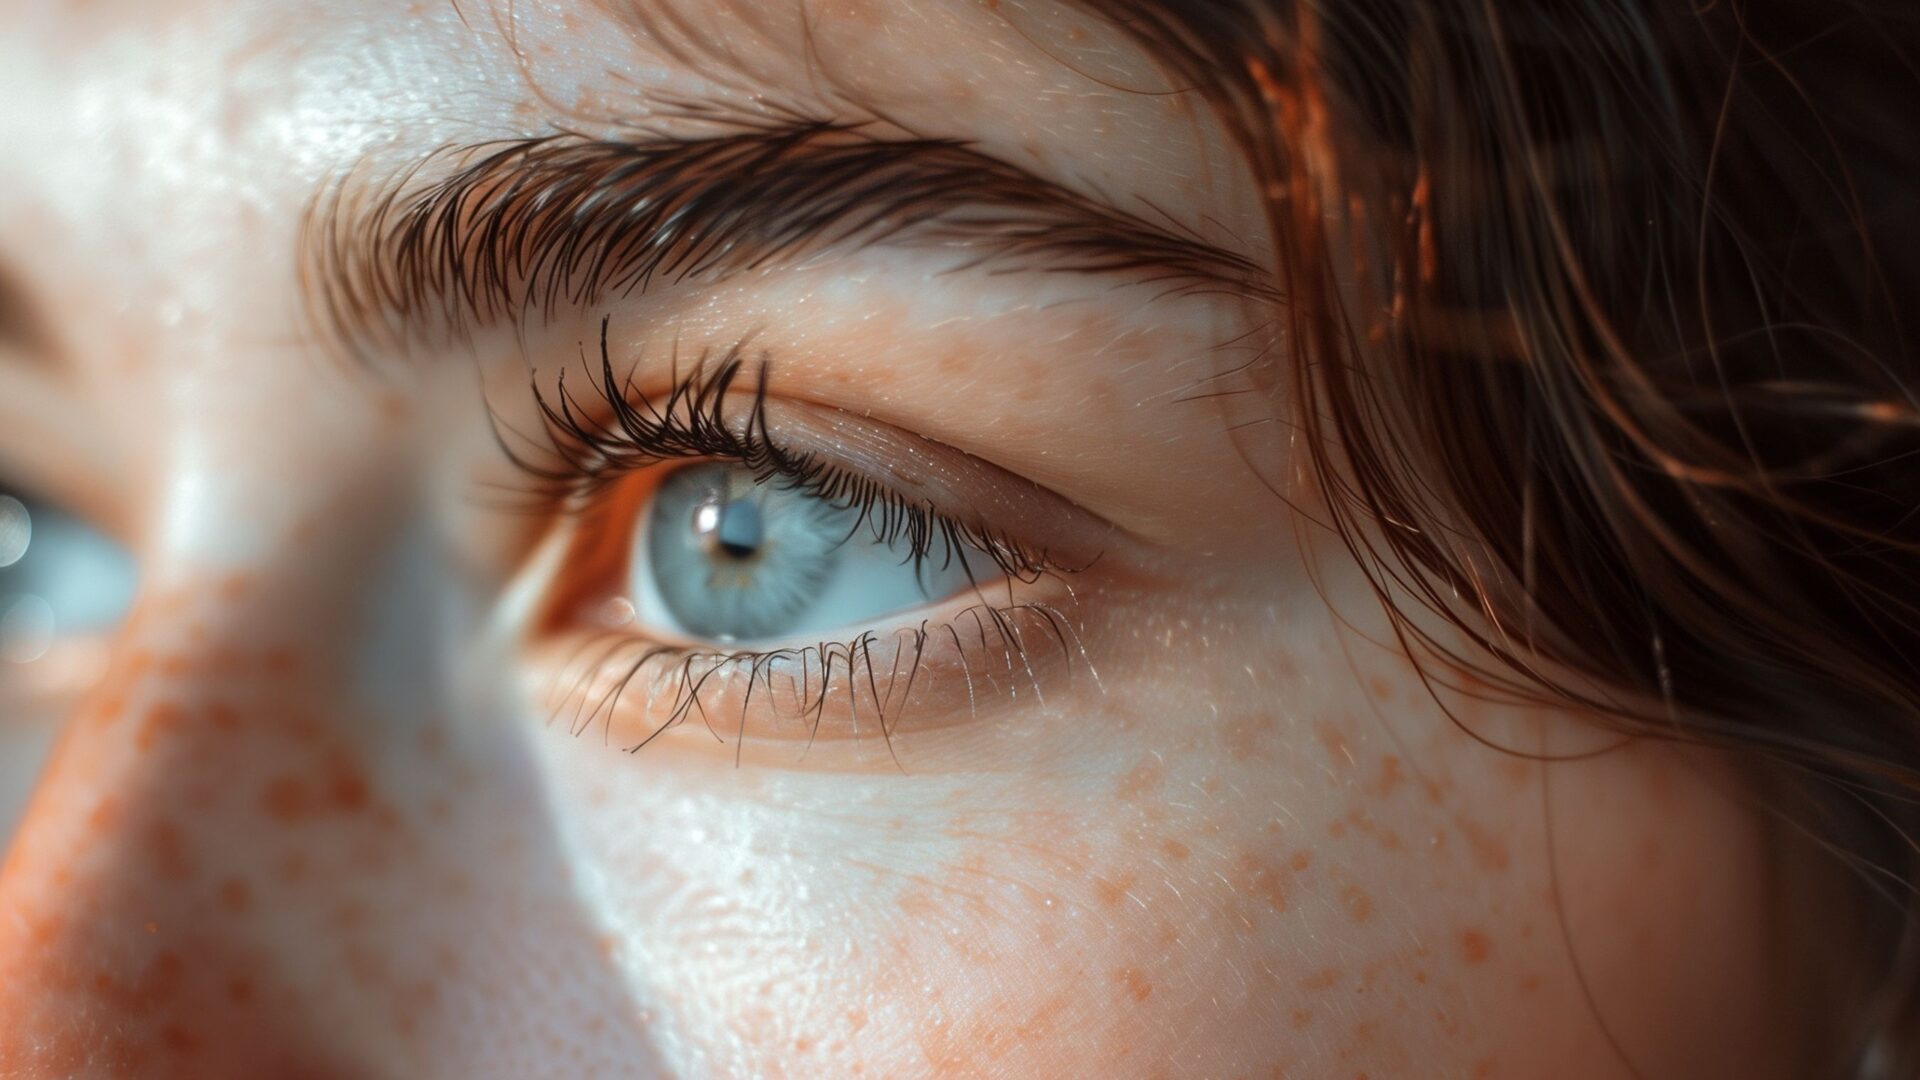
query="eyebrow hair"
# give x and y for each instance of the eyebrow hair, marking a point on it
(529, 226)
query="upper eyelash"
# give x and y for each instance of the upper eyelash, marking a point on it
(692, 421)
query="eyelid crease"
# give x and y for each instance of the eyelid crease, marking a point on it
(530, 226)
(947, 477)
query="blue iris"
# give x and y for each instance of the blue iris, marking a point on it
(727, 557)
(57, 576)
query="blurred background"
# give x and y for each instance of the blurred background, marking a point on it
(63, 587)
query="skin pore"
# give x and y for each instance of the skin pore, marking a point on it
(315, 819)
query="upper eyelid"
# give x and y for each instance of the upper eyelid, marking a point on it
(946, 477)
(528, 226)
(947, 480)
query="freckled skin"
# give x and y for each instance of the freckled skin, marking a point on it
(312, 824)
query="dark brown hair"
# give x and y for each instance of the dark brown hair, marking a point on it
(1605, 362)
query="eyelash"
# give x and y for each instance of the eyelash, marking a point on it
(691, 421)
(823, 675)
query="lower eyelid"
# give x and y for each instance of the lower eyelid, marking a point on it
(968, 660)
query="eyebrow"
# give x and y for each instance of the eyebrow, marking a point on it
(527, 227)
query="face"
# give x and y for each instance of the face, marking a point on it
(881, 641)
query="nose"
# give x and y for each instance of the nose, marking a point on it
(275, 843)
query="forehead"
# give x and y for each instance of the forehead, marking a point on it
(166, 150)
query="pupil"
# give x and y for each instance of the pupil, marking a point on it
(740, 533)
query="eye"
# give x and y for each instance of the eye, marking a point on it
(59, 578)
(744, 562)
(724, 555)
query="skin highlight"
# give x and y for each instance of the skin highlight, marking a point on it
(312, 823)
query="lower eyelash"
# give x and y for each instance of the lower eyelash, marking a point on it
(859, 686)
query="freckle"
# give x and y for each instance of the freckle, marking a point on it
(1300, 1018)
(1358, 904)
(1300, 861)
(1245, 735)
(222, 717)
(856, 1019)
(153, 928)
(1483, 1068)
(162, 720)
(1135, 982)
(1382, 689)
(1475, 947)
(286, 799)
(236, 895)
(1489, 850)
(1265, 881)
(1112, 892)
(1320, 980)
(1515, 770)
(1529, 984)
(1336, 744)
(180, 1040)
(1174, 849)
(1390, 776)
(1420, 977)
(1337, 830)
(346, 784)
(347, 915)
(1140, 780)
(44, 931)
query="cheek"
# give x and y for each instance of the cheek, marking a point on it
(1349, 883)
